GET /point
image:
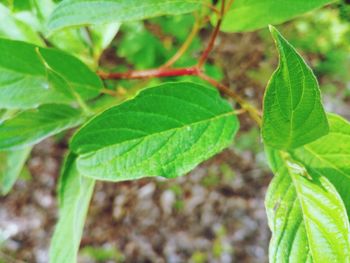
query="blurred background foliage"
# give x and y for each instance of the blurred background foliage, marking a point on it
(245, 61)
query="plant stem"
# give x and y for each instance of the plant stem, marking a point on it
(149, 73)
(109, 92)
(167, 71)
(184, 46)
(253, 112)
(213, 37)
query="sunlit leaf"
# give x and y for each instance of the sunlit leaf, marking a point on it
(164, 131)
(306, 215)
(249, 15)
(330, 156)
(293, 114)
(69, 12)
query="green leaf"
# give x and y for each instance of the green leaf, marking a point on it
(11, 164)
(75, 195)
(330, 156)
(13, 28)
(24, 78)
(69, 12)
(293, 113)
(165, 131)
(249, 15)
(306, 215)
(32, 126)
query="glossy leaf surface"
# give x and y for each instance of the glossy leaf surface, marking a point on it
(293, 114)
(306, 215)
(165, 131)
(330, 156)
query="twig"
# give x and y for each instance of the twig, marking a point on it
(253, 112)
(149, 73)
(212, 39)
(167, 71)
(184, 46)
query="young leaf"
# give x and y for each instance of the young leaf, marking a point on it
(68, 13)
(164, 131)
(293, 113)
(11, 164)
(75, 194)
(306, 215)
(32, 126)
(249, 15)
(24, 78)
(330, 156)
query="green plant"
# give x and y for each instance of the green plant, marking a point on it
(168, 129)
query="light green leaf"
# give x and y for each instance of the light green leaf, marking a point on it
(24, 78)
(293, 113)
(306, 215)
(165, 131)
(249, 15)
(75, 195)
(32, 126)
(11, 164)
(13, 28)
(330, 156)
(68, 13)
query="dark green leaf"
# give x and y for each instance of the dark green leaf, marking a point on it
(32, 126)
(330, 156)
(248, 15)
(164, 131)
(75, 194)
(306, 215)
(11, 164)
(293, 113)
(24, 78)
(69, 12)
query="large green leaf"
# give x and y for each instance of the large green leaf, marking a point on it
(75, 194)
(32, 126)
(248, 15)
(69, 12)
(11, 164)
(330, 156)
(306, 215)
(26, 76)
(165, 131)
(293, 113)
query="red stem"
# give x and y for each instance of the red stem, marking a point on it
(213, 37)
(155, 73)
